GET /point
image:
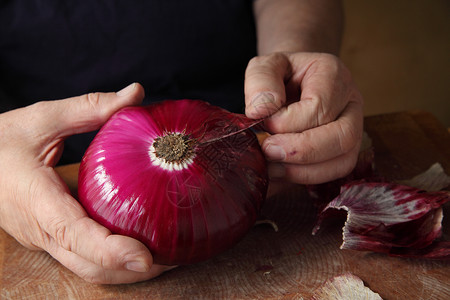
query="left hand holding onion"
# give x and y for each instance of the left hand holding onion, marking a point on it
(36, 207)
(316, 118)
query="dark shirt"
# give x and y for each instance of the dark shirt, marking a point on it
(175, 49)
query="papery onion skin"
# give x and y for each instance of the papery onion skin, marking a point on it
(183, 216)
(390, 218)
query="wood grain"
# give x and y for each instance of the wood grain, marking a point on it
(288, 264)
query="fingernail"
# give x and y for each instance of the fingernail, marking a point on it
(261, 98)
(276, 171)
(263, 105)
(127, 90)
(274, 152)
(137, 266)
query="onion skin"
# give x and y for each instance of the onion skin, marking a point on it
(183, 216)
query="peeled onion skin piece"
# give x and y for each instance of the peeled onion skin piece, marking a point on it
(183, 214)
(390, 218)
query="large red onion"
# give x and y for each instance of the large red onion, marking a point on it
(162, 174)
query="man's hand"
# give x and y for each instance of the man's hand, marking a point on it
(316, 117)
(36, 207)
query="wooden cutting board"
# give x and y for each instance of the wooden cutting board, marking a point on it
(288, 264)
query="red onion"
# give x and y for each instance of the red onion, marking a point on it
(184, 177)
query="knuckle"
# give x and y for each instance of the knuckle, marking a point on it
(93, 103)
(335, 67)
(319, 110)
(98, 256)
(254, 61)
(328, 56)
(276, 58)
(349, 137)
(62, 235)
(330, 60)
(323, 112)
(269, 61)
(282, 121)
(356, 96)
(93, 99)
(104, 259)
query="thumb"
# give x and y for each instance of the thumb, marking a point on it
(67, 225)
(90, 111)
(264, 87)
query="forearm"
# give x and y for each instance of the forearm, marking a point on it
(298, 25)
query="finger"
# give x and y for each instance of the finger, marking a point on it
(94, 273)
(87, 112)
(315, 173)
(66, 224)
(264, 85)
(326, 88)
(318, 144)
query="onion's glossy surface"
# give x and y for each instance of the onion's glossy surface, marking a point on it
(186, 207)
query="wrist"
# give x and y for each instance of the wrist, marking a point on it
(298, 26)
